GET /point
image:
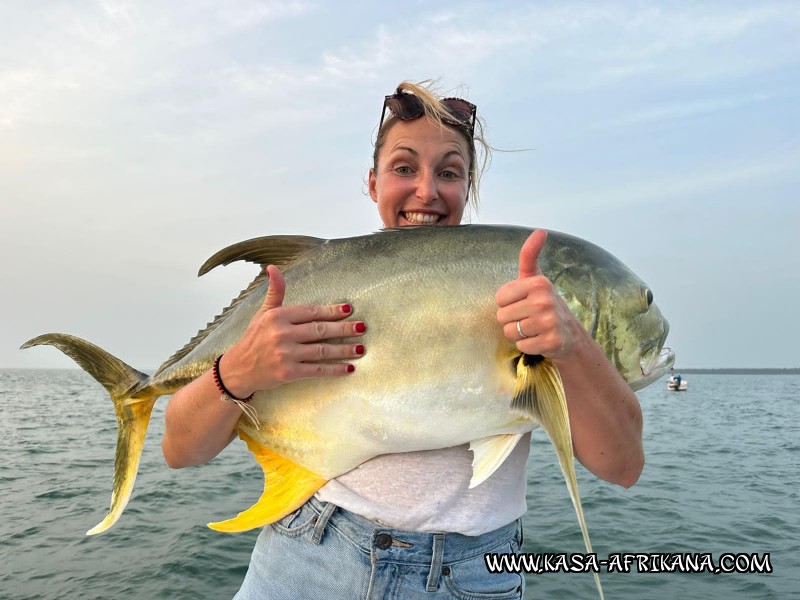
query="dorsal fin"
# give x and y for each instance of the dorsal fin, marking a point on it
(278, 250)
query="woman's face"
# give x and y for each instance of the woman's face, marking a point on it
(422, 175)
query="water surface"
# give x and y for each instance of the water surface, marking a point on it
(721, 476)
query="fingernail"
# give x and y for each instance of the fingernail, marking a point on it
(359, 348)
(347, 309)
(360, 328)
(351, 368)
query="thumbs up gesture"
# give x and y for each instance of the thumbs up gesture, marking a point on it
(530, 311)
(287, 343)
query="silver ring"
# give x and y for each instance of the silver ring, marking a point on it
(522, 336)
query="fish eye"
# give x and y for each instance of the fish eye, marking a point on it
(648, 296)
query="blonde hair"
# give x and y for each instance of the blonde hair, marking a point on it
(431, 99)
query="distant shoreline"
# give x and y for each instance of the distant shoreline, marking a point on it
(738, 371)
(695, 371)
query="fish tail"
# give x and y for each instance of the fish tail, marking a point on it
(287, 485)
(540, 395)
(133, 403)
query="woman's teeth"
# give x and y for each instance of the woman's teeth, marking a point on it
(422, 218)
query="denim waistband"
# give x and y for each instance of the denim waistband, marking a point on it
(387, 544)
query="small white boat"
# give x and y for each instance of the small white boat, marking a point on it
(676, 383)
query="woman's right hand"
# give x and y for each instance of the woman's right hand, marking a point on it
(281, 344)
(287, 343)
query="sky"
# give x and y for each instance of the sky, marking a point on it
(139, 137)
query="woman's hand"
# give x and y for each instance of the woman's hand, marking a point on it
(281, 344)
(286, 343)
(604, 414)
(531, 312)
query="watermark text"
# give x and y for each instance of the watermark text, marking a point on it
(627, 562)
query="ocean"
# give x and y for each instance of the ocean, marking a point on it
(721, 477)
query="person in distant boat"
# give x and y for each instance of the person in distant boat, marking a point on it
(406, 525)
(675, 379)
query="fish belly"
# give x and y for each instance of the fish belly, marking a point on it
(332, 426)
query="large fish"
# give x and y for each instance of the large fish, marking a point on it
(438, 371)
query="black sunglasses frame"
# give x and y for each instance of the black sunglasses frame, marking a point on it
(408, 107)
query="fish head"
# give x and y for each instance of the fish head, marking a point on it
(643, 356)
(615, 306)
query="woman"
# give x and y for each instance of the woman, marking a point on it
(406, 525)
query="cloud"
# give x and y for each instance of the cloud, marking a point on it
(197, 23)
(570, 47)
(131, 49)
(684, 110)
(685, 186)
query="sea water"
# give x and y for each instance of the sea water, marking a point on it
(721, 477)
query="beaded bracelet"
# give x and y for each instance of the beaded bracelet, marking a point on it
(249, 411)
(221, 386)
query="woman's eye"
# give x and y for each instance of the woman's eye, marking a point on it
(402, 170)
(449, 175)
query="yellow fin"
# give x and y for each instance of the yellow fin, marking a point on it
(489, 453)
(287, 486)
(133, 419)
(133, 399)
(540, 395)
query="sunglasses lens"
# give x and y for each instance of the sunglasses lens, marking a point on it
(405, 106)
(460, 109)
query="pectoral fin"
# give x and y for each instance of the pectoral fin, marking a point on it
(287, 486)
(489, 453)
(540, 395)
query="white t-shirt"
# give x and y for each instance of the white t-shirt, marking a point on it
(429, 491)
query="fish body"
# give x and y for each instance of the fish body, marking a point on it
(437, 373)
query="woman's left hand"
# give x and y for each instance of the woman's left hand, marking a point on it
(531, 312)
(604, 413)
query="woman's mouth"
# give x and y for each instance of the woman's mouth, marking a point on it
(420, 218)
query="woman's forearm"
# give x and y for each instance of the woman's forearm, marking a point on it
(199, 425)
(604, 414)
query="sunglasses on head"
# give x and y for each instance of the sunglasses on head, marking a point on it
(408, 107)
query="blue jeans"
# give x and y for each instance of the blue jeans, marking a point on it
(323, 551)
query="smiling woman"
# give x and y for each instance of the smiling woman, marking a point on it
(422, 175)
(415, 189)
(409, 525)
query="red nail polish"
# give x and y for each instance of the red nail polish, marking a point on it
(347, 309)
(360, 328)
(360, 349)
(350, 368)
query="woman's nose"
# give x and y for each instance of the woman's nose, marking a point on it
(427, 190)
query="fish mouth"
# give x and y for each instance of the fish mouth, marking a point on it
(654, 369)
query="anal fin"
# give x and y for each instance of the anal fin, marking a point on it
(489, 453)
(287, 486)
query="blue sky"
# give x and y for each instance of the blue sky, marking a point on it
(137, 138)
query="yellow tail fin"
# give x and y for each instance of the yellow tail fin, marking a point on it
(540, 395)
(133, 401)
(287, 486)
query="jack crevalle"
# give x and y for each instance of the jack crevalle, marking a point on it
(437, 373)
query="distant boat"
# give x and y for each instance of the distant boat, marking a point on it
(676, 383)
